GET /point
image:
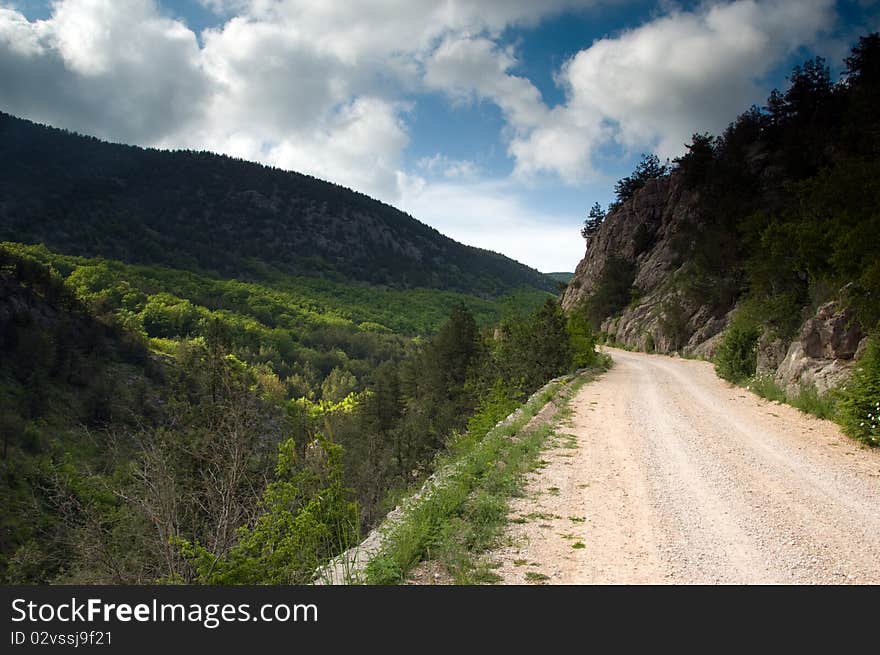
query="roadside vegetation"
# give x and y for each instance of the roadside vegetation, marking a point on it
(785, 219)
(463, 515)
(785, 204)
(855, 405)
(160, 425)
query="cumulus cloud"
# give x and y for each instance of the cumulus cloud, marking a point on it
(119, 70)
(326, 88)
(476, 68)
(658, 84)
(494, 215)
(319, 86)
(439, 165)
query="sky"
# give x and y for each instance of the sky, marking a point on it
(499, 122)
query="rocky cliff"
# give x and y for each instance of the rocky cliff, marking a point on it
(647, 233)
(644, 232)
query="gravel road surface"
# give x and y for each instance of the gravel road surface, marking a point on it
(670, 474)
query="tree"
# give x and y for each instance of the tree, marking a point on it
(648, 168)
(338, 385)
(613, 290)
(439, 389)
(307, 518)
(536, 348)
(695, 165)
(593, 221)
(863, 83)
(582, 339)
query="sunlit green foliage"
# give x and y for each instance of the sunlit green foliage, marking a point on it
(306, 517)
(859, 406)
(736, 358)
(126, 465)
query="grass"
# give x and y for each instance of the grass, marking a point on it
(808, 399)
(463, 516)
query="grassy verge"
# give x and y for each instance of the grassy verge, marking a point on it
(464, 515)
(808, 399)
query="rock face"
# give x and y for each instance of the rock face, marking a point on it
(831, 334)
(655, 214)
(643, 232)
(824, 351)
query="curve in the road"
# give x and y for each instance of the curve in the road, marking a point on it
(678, 476)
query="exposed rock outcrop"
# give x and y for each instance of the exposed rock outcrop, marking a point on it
(643, 232)
(646, 232)
(655, 214)
(823, 353)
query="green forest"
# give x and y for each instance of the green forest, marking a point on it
(232, 380)
(161, 425)
(217, 371)
(225, 217)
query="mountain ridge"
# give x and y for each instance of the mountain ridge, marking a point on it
(213, 213)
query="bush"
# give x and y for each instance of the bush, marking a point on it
(673, 323)
(642, 240)
(737, 356)
(859, 407)
(582, 339)
(613, 291)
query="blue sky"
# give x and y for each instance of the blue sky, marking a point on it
(499, 122)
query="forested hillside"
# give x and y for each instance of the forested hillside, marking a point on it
(214, 371)
(757, 247)
(208, 213)
(165, 425)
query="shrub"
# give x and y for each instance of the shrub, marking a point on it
(859, 407)
(613, 291)
(737, 356)
(582, 338)
(649, 343)
(673, 323)
(642, 240)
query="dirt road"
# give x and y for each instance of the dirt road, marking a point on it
(672, 475)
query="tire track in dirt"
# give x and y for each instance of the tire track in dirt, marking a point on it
(672, 475)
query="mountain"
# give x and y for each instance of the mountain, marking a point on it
(565, 278)
(174, 326)
(759, 244)
(210, 213)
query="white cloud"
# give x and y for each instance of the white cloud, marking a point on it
(658, 84)
(326, 88)
(319, 86)
(492, 215)
(477, 67)
(439, 165)
(118, 70)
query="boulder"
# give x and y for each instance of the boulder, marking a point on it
(771, 352)
(831, 334)
(798, 369)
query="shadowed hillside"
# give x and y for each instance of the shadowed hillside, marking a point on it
(210, 213)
